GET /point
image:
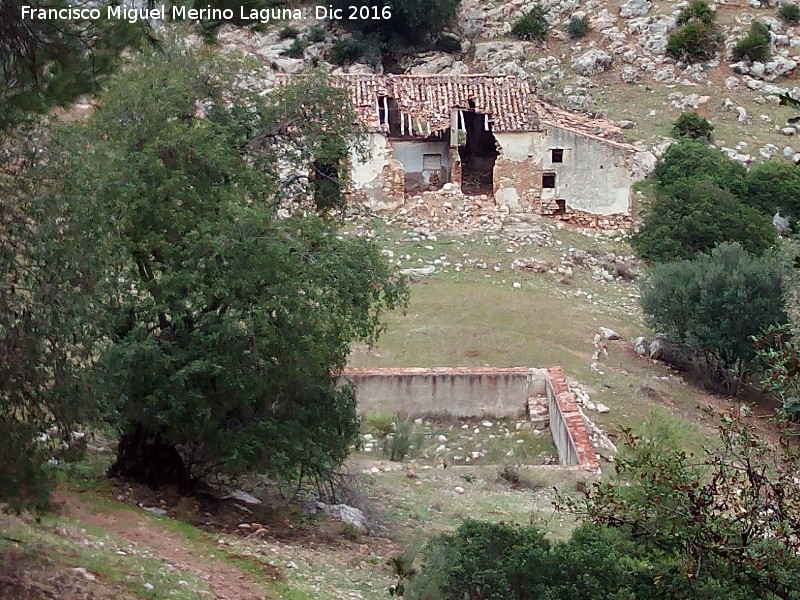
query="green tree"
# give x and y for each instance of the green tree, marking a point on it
(533, 25)
(237, 301)
(694, 159)
(48, 325)
(695, 217)
(713, 305)
(47, 62)
(774, 186)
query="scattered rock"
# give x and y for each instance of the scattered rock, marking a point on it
(592, 62)
(608, 334)
(346, 514)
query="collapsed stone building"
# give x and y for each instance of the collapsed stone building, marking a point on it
(489, 135)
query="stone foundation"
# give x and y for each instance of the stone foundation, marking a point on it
(540, 394)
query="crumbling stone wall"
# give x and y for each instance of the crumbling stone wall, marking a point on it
(567, 426)
(479, 392)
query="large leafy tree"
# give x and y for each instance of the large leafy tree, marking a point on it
(47, 62)
(48, 324)
(237, 299)
(694, 216)
(713, 305)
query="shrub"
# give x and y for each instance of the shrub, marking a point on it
(288, 31)
(533, 25)
(695, 217)
(403, 442)
(577, 27)
(756, 45)
(500, 561)
(315, 34)
(351, 49)
(693, 42)
(774, 186)
(789, 13)
(381, 424)
(693, 126)
(697, 38)
(694, 159)
(296, 49)
(714, 305)
(698, 11)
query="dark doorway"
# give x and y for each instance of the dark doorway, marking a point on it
(478, 154)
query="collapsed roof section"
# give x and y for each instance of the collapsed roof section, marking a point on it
(427, 102)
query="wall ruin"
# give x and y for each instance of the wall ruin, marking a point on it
(479, 392)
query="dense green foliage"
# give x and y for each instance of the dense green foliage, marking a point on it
(730, 514)
(354, 48)
(577, 27)
(490, 561)
(693, 126)
(789, 13)
(201, 296)
(778, 356)
(48, 325)
(51, 61)
(774, 186)
(755, 45)
(695, 216)
(696, 38)
(533, 25)
(712, 306)
(696, 160)
(410, 22)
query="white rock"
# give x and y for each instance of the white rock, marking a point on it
(592, 62)
(149, 587)
(243, 496)
(608, 334)
(348, 514)
(458, 490)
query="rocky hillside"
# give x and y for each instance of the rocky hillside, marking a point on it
(620, 69)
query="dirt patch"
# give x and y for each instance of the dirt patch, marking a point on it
(225, 581)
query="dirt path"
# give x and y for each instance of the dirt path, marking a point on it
(225, 581)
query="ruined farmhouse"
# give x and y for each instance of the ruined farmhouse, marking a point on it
(490, 135)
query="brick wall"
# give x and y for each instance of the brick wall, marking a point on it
(566, 424)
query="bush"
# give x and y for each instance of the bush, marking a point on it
(693, 126)
(296, 49)
(789, 13)
(756, 45)
(288, 31)
(697, 216)
(533, 25)
(694, 159)
(693, 42)
(381, 424)
(352, 49)
(577, 27)
(411, 22)
(315, 34)
(500, 561)
(774, 186)
(403, 442)
(698, 11)
(714, 305)
(697, 38)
